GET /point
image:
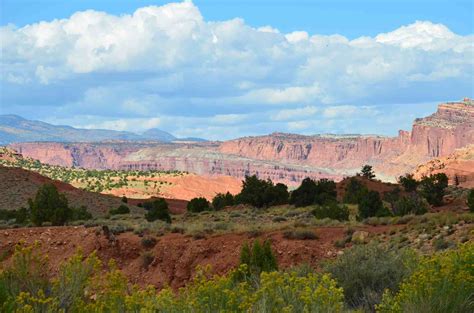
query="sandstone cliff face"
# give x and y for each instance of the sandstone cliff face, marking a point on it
(281, 157)
(451, 127)
(459, 166)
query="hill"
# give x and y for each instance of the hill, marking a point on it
(133, 184)
(14, 128)
(18, 185)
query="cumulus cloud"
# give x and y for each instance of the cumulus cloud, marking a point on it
(168, 62)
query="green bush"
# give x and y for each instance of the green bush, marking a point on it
(409, 183)
(262, 193)
(122, 209)
(366, 271)
(80, 214)
(147, 258)
(367, 172)
(197, 205)
(7, 214)
(20, 216)
(325, 192)
(157, 210)
(354, 191)
(442, 283)
(432, 188)
(300, 235)
(411, 204)
(276, 195)
(149, 242)
(312, 192)
(371, 205)
(333, 211)
(258, 258)
(222, 200)
(304, 195)
(49, 206)
(470, 200)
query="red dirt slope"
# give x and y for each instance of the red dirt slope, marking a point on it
(18, 185)
(175, 256)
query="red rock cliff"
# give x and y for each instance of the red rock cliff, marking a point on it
(281, 157)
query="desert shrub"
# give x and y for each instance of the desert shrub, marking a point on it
(258, 258)
(304, 194)
(124, 199)
(80, 214)
(82, 286)
(7, 214)
(372, 205)
(147, 258)
(440, 244)
(276, 195)
(27, 272)
(314, 192)
(221, 200)
(325, 191)
(411, 204)
(49, 206)
(72, 280)
(300, 234)
(261, 193)
(122, 209)
(148, 242)
(392, 196)
(432, 188)
(157, 210)
(287, 292)
(197, 205)
(354, 191)
(253, 190)
(277, 292)
(367, 172)
(409, 183)
(19, 216)
(279, 219)
(365, 271)
(333, 211)
(442, 283)
(470, 200)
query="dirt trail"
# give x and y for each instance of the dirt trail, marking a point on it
(175, 256)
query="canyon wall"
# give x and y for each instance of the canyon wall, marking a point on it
(280, 157)
(437, 135)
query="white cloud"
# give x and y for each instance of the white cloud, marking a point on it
(344, 111)
(168, 61)
(298, 113)
(297, 36)
(421, 34)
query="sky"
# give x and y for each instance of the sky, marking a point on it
(225, 69)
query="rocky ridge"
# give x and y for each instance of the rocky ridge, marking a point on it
(278, 156)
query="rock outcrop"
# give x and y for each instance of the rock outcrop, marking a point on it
(459, 166)
(280, 157)
(437, 135)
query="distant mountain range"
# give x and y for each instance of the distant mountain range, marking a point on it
(14, 128)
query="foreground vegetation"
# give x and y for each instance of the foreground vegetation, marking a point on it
(401, 282)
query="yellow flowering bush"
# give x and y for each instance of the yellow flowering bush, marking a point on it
(288, 292)
(442, 283)
(82, 285)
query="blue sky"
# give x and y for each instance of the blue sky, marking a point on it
(222, 69)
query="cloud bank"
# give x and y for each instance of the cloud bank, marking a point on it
(167, 67)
